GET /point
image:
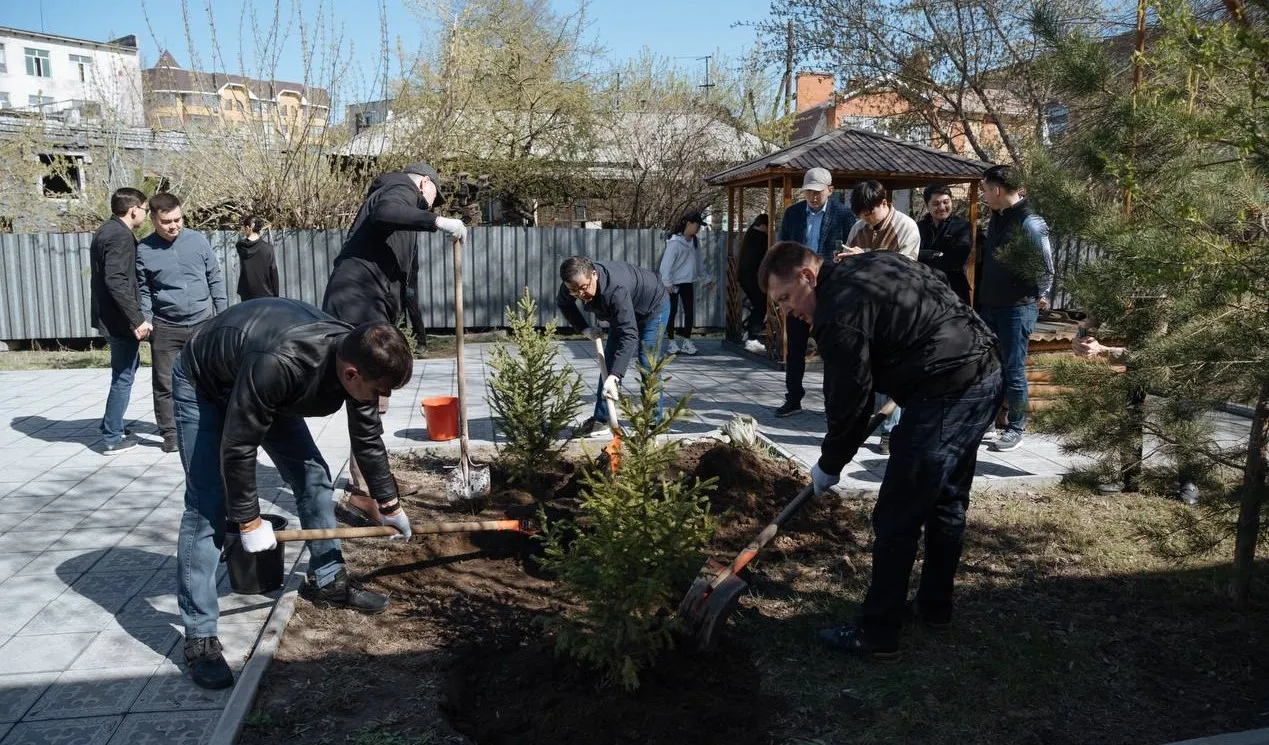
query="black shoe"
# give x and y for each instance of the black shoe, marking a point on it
(588, 427)
(114, 448)
(884, 447)
(169, 444)
(787, 408)
(851, 640)
(939, 624)
(206, 661)
(341, 594)
(1188, 493)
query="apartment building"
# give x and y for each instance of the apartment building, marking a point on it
(72, 79)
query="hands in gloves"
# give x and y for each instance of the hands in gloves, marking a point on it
(257, 539)
(455, 228)
(822, 481)
(592, 333)
(397, 519)
(612, 387)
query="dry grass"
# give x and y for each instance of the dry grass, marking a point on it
(62, 359)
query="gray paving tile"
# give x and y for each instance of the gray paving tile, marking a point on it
(23, 505)
(171, 689)
(71, 502)
(185, 728)
(18, 692)
(88, 693)
(150, 610)
(9, 520)
(68, 613)
(132, 648)
(11, 564)
(41, 520)
(129, 559)
(19, 614)
(90, 731)
(89, 538)
(33, 589)
(37, 654)
(66, 564)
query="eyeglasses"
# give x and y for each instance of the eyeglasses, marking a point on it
(577, 290)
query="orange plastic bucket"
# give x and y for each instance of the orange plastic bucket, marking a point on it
(442, 417)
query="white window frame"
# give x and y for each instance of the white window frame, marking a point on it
(4, 101)
(83, 62)
(38, 62)
(4, 65)
(38, 102)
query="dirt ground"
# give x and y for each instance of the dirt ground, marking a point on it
(1069, 631)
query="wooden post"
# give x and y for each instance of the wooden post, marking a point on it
(781, 352)
(971, 269)
(733, 270)
(788, 191)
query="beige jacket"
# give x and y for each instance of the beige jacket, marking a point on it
(897, 233)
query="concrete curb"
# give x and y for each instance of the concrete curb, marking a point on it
(229, 727)
(1250, 737)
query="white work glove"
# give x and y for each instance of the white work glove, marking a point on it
(258, 539)
(612, 387)
(822, 481)
(455, 228)
(592, 333)
(397, 519)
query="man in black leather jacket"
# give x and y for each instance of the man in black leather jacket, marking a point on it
(246, 380)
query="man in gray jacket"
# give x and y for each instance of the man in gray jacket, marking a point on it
(181, 287)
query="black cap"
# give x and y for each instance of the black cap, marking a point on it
(423, 169)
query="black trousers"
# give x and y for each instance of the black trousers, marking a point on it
(688, 297)
(166, 341)
(798, 334)
(756, 321)
(933, 453)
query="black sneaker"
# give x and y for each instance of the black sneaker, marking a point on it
(169, 444)
(851, 640)
(588, 427)
(884, 447)
(341, 594)
(787, 408)
(206, 661)
(114, 448)
(1010, 440)
(1188, 493)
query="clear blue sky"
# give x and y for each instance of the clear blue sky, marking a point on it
(672, 28)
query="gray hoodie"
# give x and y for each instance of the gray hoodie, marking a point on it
(180, 282)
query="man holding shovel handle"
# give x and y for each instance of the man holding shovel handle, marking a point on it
(246, 380)
(885, 324)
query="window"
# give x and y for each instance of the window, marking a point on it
(169, 122)
(1055, 119)
(37, 63)
(87, 108)
(84, 63)
(61, 177)
(39, 102)
(4, 101)
(4, 66)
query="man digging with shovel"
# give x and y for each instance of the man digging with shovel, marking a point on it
(378, 261)
(885, 324)
(245, 381)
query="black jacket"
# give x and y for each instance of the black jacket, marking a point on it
(753, 248)
(1016, 263)
(952, 239)
(270, 358)
(883, 326)
(628, 296)
(834, 229)
(116, 303)
(257, 269)
(375, 261)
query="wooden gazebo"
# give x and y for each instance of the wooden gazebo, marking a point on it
(851, 155)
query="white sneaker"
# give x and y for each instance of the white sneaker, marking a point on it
(687, 347)
(992, 435)
(753, 345)
(672, 347)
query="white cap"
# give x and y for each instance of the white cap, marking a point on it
(817, 179)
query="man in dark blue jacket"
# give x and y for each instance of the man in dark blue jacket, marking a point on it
(822, 224)
(634, 303)
(116, 308)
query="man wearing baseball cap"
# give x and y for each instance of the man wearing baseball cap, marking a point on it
(375, 265)
(822, 225)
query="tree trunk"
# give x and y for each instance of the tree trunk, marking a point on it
(1253, 497)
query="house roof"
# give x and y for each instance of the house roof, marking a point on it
(167, 75)
(852, 153)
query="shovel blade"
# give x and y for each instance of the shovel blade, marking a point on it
(468, 484)
(718, 607)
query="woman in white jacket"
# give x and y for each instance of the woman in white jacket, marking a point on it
(682, 265)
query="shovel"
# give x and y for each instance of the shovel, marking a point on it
(613, 448)
(380, 531)
(717, 589)
(467, 482)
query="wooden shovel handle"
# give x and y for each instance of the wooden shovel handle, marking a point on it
(603, 376)
(379, 531)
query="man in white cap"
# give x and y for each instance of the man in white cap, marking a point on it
(821, 224)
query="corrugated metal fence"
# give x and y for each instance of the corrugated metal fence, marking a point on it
(44, 277)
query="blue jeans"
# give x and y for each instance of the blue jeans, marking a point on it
(1013, 327)
(933, 453)
(887, 425)
(651, 337)
(125, 356)
(200, 425)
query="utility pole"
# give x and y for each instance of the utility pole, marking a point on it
(707, 85)
(788, 68)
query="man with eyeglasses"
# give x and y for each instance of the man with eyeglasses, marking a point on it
(634, 303)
